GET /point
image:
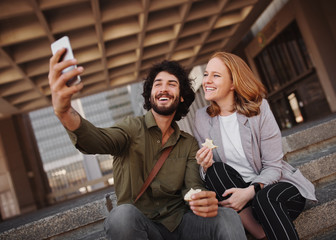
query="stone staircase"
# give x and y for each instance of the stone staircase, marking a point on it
(313, 151)
(312, 148)
(80, 219)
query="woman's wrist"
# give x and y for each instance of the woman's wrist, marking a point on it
(256, 187)
(250, 192)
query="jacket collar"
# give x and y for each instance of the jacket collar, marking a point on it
(150, 123)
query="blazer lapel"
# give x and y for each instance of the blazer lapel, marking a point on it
(215, 135)
(246, 138)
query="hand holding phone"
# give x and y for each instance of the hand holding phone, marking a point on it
(64, 42)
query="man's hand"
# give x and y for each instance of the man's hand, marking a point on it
(61, 94)
(204, 204)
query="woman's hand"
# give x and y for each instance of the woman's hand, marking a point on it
(239, 197)
(204, 157)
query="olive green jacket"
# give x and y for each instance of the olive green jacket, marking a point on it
(136, 145)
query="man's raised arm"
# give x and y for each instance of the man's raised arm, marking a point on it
(61, 94)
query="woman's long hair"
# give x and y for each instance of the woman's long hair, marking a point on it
(248, 91)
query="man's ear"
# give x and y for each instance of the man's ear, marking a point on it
(182, 100)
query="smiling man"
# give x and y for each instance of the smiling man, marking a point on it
(136, 144)
(161, 93)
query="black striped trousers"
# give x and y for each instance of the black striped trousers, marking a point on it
(275, 206)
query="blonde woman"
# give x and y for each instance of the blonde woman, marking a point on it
(246, 170)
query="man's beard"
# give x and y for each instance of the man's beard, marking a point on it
(165, 110)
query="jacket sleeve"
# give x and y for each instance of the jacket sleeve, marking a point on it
(267, 137)
(199, 137)
(89, 139)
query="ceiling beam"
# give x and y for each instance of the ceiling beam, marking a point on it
(42, 20)
(206, 34)
(143, 19)
(25, 77)
(101, 45)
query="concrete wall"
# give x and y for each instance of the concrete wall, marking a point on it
(317, 22)
(8, 205)
(13, 158)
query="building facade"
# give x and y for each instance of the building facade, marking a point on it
(69, 172)
(294, 56)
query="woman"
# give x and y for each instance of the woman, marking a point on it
(246, 169)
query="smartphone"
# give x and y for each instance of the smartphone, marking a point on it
(64, 42)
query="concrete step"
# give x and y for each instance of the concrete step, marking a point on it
(312, 149)
(320, 169)
(66, 225)
(328, 234)
(96, 236)
(62, 223)
(315, 222)
(93, 230)
(317, 160)
(308, 135)
(74, 219)
(311, 152)
(322, 212)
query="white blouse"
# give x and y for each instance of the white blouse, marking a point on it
(233, 149)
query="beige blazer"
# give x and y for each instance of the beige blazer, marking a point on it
(261, 141)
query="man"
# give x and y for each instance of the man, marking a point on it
(137, 143)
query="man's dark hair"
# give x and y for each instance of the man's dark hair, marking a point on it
(186, 91)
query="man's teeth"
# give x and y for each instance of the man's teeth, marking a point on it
(163, 99)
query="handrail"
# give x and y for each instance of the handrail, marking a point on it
(64, 193)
